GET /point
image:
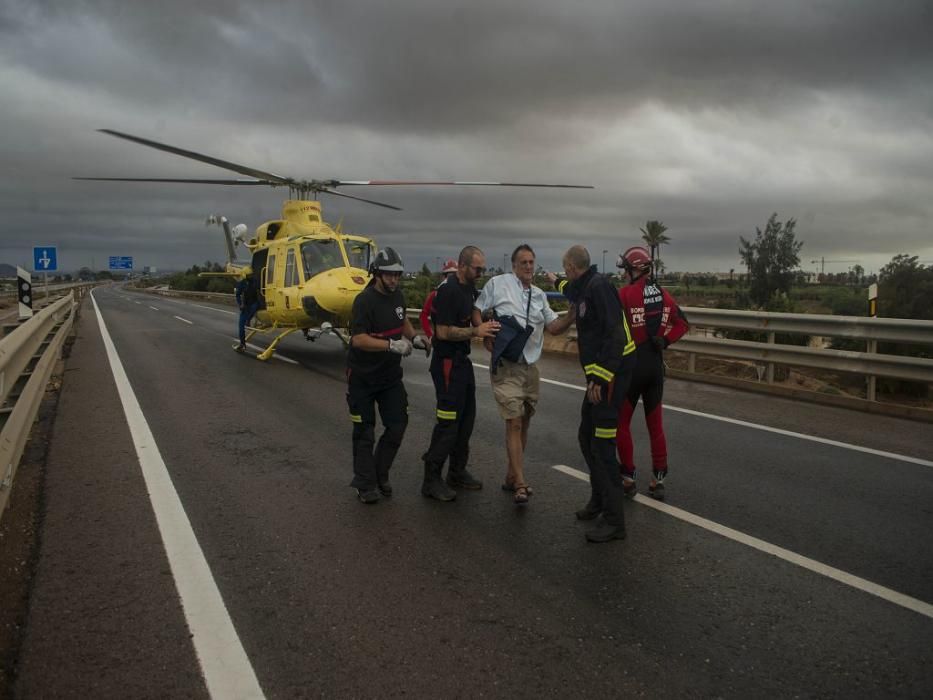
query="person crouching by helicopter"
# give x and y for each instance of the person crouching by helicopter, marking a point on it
(454, 382)
(381, 335)
(247, 299)
(656, 322)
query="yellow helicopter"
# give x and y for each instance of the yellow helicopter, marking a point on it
(309, 272)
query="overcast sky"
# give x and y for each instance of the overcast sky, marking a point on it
(708, 116)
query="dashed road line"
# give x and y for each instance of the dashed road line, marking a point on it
(226, 667)
(152, 307)
(888, 594)
(211, 308)
(185, 320)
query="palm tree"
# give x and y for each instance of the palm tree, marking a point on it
(653, 235)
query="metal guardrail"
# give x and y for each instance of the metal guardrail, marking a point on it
(27, 357)
(894, 330)
(869, 363)
(39, 288)
(207, 296)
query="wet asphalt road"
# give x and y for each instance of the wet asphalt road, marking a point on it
(477, 597)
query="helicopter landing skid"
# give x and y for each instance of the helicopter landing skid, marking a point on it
(269, 351)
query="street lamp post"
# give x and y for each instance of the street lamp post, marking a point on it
(604, 261)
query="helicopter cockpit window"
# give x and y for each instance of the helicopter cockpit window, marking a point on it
(358, 254)
(319, 256)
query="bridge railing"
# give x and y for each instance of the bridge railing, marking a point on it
(27, 358)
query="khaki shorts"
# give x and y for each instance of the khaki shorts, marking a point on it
(516, 387)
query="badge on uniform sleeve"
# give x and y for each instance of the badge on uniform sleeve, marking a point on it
(400, 312)
(581, 309)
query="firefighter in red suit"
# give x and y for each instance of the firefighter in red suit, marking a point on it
(656, 321)
(450, 270)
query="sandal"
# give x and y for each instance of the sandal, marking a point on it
(521, 495)
(510, 487)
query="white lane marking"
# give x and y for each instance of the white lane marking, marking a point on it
(888, 594)
(190, 323)
(152, 307)
(767, 428)
(137, 302)
(211, 308)
(227, 670)
(789, 433)
(276, 356)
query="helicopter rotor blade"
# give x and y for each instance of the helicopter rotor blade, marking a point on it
(361, 199)
(189, 180)
(227, 165)
(463, 183)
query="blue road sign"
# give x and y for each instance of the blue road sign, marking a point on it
(121, 262)
(44, 259)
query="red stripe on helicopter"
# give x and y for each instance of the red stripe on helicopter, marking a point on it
(387, 334)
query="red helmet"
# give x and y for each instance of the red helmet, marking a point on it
(449, 266)
(636, 260)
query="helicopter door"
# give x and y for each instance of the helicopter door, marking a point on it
(258, 265)
(291, 291)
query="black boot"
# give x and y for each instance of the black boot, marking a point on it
(462, 479)
(434, 486)
(604, 532)
(589, 511)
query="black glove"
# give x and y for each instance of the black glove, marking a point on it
(659, 342)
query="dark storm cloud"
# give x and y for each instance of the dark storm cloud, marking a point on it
(444, 66)
(708, 116)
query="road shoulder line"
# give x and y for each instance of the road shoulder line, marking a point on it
(227, 670)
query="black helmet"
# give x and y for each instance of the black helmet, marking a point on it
(387, 260)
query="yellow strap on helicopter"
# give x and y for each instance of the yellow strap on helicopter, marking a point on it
(356, 418)
(446, 415)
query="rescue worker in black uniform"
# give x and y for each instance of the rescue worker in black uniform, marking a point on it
(454, 382)
(607, 354)
(247, 299)
(381, 335)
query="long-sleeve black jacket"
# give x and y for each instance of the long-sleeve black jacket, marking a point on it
(603, 335)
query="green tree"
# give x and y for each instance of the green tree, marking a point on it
(905, 289)
(653, 235)
(425, 270)
(771, 259)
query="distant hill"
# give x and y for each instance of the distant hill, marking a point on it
(7, 271)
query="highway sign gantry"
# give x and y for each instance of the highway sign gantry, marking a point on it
(121, 262)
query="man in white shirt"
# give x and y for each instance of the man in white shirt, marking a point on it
(518, 304)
